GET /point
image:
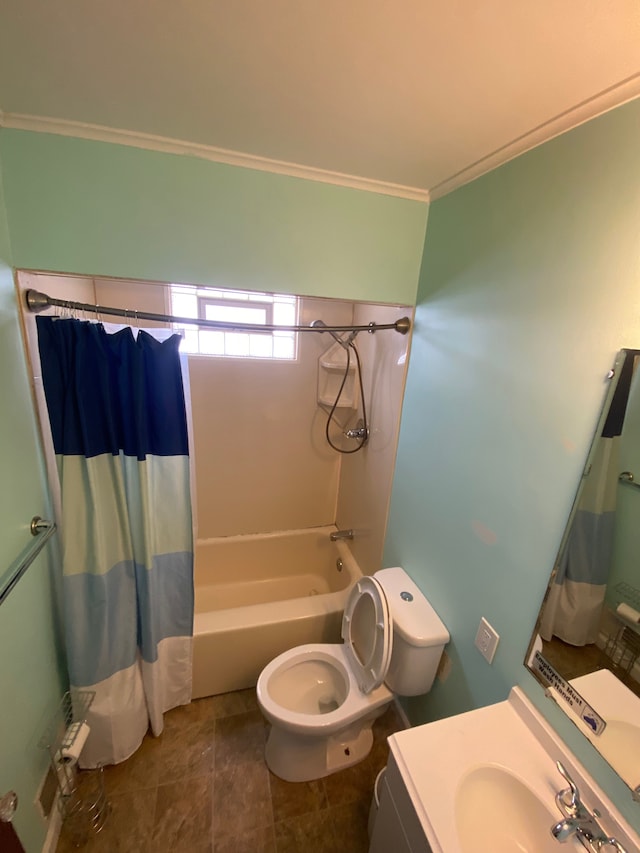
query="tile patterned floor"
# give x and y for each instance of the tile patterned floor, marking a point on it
(203, 787)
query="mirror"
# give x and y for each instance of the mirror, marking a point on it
(586, 643)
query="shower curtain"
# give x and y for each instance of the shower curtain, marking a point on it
(119, 428)
(573, 608)
(574, 605)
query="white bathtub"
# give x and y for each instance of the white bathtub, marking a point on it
(258, 595)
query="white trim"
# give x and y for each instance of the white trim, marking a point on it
(614, 96)
(54, 828)
(608, 99)
(134, 139)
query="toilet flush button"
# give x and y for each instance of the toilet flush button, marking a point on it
(406, 596)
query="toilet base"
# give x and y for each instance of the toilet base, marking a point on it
(300, 758)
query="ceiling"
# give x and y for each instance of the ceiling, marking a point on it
(399, 94)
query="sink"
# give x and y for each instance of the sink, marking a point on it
(487, 780)
(495, 811)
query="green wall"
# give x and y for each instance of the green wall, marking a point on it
(84, 207)
(5, 245)
(530, 283)
(30, 659)
(87, 207)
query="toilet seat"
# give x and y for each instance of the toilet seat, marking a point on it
(322, 699)
(367, 632)
(355, 705)
(362, 659)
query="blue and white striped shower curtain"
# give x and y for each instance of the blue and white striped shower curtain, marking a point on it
(574, 605)
(119, 428)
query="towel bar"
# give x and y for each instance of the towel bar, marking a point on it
(42, 531)
(627, 477)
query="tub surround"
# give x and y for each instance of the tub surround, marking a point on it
(364, 490)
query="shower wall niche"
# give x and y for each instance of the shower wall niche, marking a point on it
(262, 463)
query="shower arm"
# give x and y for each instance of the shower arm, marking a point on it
(321, 326)
(38, 301)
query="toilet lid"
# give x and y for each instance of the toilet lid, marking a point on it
(367, 631)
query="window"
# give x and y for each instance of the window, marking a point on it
(235, 306)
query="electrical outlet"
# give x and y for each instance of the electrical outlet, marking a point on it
(487, 640)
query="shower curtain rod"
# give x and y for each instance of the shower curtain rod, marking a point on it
(38, 301)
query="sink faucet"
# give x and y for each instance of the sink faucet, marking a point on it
(341, 534)
(578, 821)
(586, 829)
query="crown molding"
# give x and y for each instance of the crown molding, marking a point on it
(99, 133)
(614, 96)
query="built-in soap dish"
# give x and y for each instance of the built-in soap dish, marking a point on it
(332, 365)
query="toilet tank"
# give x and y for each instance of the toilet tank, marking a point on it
(419, 635)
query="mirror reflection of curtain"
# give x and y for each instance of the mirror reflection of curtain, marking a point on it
(624, 580)
(575, 601)
(576, 597)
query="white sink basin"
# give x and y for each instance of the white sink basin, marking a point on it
(487, 781)
(495, 811)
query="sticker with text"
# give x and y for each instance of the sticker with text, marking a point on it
(569, 694)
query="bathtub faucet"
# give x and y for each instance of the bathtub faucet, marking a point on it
(360, 431)
(341, 534)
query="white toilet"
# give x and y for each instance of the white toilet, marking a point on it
(321, 699)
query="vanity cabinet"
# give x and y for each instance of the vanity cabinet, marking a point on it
(396, 826)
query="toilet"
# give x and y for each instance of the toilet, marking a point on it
(322, 699)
